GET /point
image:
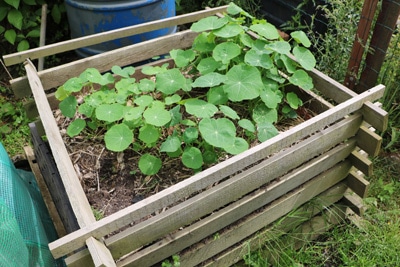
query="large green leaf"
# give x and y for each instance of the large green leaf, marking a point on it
(171, 144)
(265, 131)
(226, 51)
(110, 112)
(182, 57)
(15, 18)
(262, 113)
(271, 98)
(228, 31)
(255, 58)
(209, 23)
(209, 80)
(149, 164)
(157, 116)
(118, 137)
(192, 158)
(301, 38)
(200, 108)
(68, 106)
(238, 146)
(266, 30)
(149, 134)
(218, 132)
(207, 65)
(217, 96)
(170, 81)
(302, 79)
(243, 82)
(304, 57)
(280, 47)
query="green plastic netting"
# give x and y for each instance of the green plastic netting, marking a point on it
(25, 225)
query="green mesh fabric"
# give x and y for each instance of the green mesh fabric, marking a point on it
(26, 227)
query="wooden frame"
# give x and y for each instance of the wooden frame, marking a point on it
(245, 193)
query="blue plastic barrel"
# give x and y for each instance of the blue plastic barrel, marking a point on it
(90, 17)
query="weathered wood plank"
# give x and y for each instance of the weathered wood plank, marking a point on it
(354, 201)
(357, 183)
(231, 189)
(271, 213)
(361, 162)
(333, 214)
(211, 175)
(186, 237)
(101, 256)
(375, 116)
(369, 141)
(55, 217)
(53, 49)
(128, 55)
(71, 182)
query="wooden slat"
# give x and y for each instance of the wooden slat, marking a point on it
(211, 175)
(273, 212)
(71, 182)
(369, 141)
(128, 55)
(55, 217)
(354, 201)
(93, 39)
(333, 214)
(101, 256)
(357, 183)
(231, 189)
(186, 237)
(375, 116)
(361, 162)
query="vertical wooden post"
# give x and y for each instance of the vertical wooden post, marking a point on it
(383, 31)
(360, 41)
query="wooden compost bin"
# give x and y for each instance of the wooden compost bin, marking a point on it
(236, 200)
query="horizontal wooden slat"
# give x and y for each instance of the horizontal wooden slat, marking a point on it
(128, 55)
(231, 189)
(53, 49)
(182, 239)
(211, 175)
(369, 141)
(273, 212)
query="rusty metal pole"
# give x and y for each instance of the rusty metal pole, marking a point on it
(360, 41)
(383, 31)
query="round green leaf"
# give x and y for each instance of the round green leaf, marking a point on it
(217, 132)
(157, 116)
(266, 30)
(110, 112)
(61, 93)
(228, 31)
(226, 51)
(265, 131)
(243, 82)
(171, 144)
(301, 79)
(200, 108)
(76, 127)
(301, 38)
(190, 135)
(229, 112)
(271, 98)
(209, 80)
(68, 106)
(210, 157)
(202, 43)
(293, 100)
(143, 100)
(182, 57)
(192, 158)
(149, 164)
(238, 146)
(118, 137)
(170, 81)
(149, 134)
(86, 109)
(74, 84)
(208, 23)
(146, 85)
(262, 113)
(304, 57)
(247, 125)
(133, 113)
(280, 47)
(169, 100)
(217, 96)
(207, 65)
(257, 59)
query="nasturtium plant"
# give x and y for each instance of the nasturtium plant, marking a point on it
(226, 91)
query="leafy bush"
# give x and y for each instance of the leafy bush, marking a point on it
(224, 92)
(20, 22)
